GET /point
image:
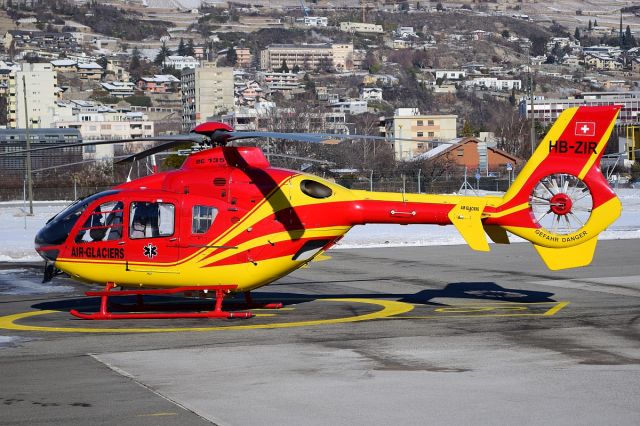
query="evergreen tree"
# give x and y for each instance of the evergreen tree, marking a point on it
(628, 41)
(590, 25)
(595, 22)
(232, 56)
(467, 129)
(190, 49)
(162, 54)
(576, 34)
(284, 67)
(134, 64)
(181, 48)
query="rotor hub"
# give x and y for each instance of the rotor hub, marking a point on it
(561, 204)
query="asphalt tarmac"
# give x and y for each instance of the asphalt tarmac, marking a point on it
(411, 336)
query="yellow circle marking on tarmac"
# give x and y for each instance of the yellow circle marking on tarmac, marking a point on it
(472, 309)
(389, 308)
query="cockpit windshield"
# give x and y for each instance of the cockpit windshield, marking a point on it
(58, 227)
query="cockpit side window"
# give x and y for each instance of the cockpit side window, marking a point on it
(203, 217)
(103, 224)
(151, 219)
(58, 227)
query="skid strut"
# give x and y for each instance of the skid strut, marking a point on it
(105, 314)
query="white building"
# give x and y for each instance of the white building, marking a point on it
(119, 89)
(316, 21)
(405, 32)
(449, 74)
(350, 106)
(40, 81)
(361, 27)
(181, 62)
(97, 122)
(493, 83)
(371, 94)
(548, 110)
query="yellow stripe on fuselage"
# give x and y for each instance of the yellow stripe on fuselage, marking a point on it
(245, 274)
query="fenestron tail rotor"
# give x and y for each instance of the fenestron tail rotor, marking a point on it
(561, 204)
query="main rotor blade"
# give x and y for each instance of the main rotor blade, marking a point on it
(293, 157)
(324, 138)
(147, 152)
(300, 137)
(172, 138)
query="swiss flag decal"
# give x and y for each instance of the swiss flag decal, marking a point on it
(585, 128)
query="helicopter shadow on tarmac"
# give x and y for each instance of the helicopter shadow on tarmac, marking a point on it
(465, 291)
(468, 291)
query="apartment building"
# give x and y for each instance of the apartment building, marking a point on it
(308, 56)
(181, 62)
(412, 133)
(206, 91)
(492, 83)
(548, 110)
(361, 27)
(97, 122)
(40, 81)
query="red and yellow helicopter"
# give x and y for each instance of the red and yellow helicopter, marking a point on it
(228, 222)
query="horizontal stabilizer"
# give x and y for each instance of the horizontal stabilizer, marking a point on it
(467, 218)
(568, 257)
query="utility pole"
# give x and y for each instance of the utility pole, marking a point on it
(400, 141)
(28, 139)
(533, 119)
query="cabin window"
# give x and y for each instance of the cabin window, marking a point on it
(103, 224)
(315, 189)
(151, 219)
(203, 217)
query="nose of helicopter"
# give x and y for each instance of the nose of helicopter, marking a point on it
(48, 242)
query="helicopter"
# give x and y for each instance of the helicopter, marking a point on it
(228, 222)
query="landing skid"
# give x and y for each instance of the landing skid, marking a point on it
(216, 312)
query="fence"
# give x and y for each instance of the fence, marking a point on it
(46, 190)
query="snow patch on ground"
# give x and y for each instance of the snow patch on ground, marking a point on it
(8, 341)
(19, 282)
